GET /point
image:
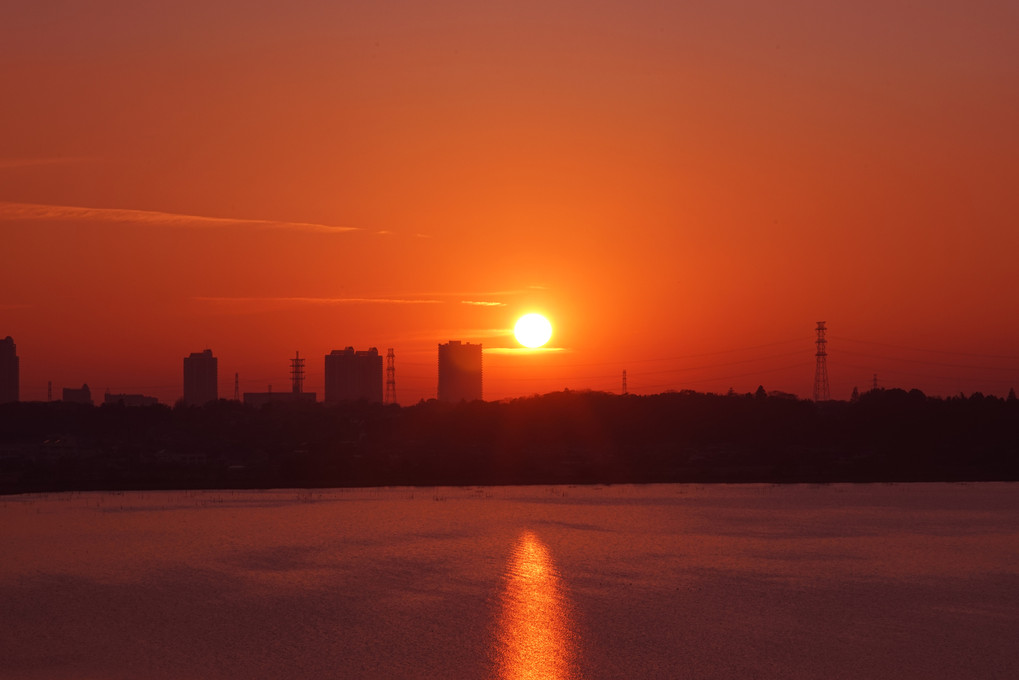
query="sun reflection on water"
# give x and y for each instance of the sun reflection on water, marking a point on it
(536, 638)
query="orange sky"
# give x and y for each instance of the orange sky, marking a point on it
(683, 188)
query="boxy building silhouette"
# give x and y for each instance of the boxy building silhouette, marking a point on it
(9, 371)
(459, 371)
(200, 378)
(82, 395)
(351, 376)
(129, 400)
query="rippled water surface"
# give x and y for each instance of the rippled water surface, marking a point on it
(670, 581)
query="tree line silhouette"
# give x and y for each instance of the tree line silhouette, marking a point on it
(562, 437)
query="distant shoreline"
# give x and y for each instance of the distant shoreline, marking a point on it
(213, 489)
(559, 438)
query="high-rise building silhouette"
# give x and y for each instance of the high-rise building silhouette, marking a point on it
(200, 378)
(459, 371)
(351, 376)
(9, 371)
(821, 392)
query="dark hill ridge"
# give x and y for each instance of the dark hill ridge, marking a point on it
(563, 437)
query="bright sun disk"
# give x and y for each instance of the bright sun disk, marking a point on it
(532, 330)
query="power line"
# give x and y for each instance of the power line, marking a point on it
(928, 376)
(731, 363)
(683, 369)
(790, 367)
(919, 361)
(692, 356)
(658, 359)
(931, 351)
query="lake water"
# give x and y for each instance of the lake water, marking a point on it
(661, 581)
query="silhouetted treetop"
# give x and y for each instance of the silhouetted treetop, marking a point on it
(561, 437)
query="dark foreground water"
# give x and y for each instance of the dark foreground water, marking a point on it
(671, 581)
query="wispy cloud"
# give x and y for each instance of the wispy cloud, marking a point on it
(476, 294)
(36, 211)
(482, 303)
(317, 300)
(465, 334)
(15, 163)
(524, 350)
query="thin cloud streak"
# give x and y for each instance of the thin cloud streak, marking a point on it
(317, 300)
(525, 350)
(482, 303)
(37, 211)
(445, 334)
(475, 294)
(15, 163)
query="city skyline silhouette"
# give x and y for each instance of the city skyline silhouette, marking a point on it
(992, 371)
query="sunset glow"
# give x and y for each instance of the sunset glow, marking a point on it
(683, 188)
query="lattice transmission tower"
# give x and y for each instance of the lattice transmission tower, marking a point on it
(821, 391)
(625, 391)
(297, 373)
(390, 396)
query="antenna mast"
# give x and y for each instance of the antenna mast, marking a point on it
(624, 382)
(297, 373)
(821, 392)
(390, 396)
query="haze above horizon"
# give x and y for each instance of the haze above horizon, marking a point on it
(684, 191)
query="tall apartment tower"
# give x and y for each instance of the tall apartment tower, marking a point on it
(459, 371)
(200, 375)
(9, 371)
(351, 375)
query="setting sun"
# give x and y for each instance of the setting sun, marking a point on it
(532, 330)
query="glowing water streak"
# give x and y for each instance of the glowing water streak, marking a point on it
(536, 637)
